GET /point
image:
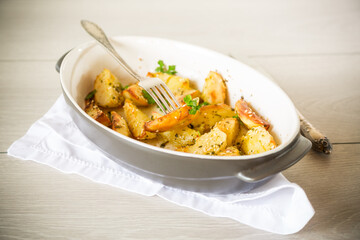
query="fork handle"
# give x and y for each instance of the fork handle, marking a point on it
(319, 141)
(98, 34)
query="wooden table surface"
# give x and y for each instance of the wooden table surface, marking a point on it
(311, 49)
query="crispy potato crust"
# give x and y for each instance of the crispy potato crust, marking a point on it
(248, 116)
(214, 90)
(119, 124)
(96, 113)
(175, 119)
(134, 93)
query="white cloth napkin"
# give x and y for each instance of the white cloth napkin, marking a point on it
(278, 206)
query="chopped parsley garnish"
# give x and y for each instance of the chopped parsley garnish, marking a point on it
(90, 95)
(149, 99)
(162, 68)
(194, 104)
(171, 70)
(126, 87)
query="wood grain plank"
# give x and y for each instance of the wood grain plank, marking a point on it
(40, 29)
(40, 202)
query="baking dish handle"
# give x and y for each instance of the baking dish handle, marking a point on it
(58, 63)
(280, 163)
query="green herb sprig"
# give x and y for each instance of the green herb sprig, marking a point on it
(162, 68)
(194, 104)
(149, 99)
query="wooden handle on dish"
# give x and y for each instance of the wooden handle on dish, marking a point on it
(319, 141)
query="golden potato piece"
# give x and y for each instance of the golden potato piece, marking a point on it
(175, 119)
(119, 124)
(230, 126)
(248, 116)
(178, 85)
(96, 113)
(257, 140)
(211, 114)
(210, 143)
(136, 121)
(135, 94)
(214, 90)
(181, 137)
(230, 151)
(108, 90)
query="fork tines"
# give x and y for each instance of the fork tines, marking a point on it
(161, 94)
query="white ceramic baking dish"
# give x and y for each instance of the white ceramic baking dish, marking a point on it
(202, 173)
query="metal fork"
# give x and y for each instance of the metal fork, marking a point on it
(156, 88)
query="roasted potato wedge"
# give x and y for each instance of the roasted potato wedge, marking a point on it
(257, 140)
(211, 114)
(230, 126)
(108, 90)
(135, 94)
(230, 151)
(214, 90)
(210, 143)
(136, 121)
(248, 116)
(175, 119)
(118, 123)
(96, 113)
